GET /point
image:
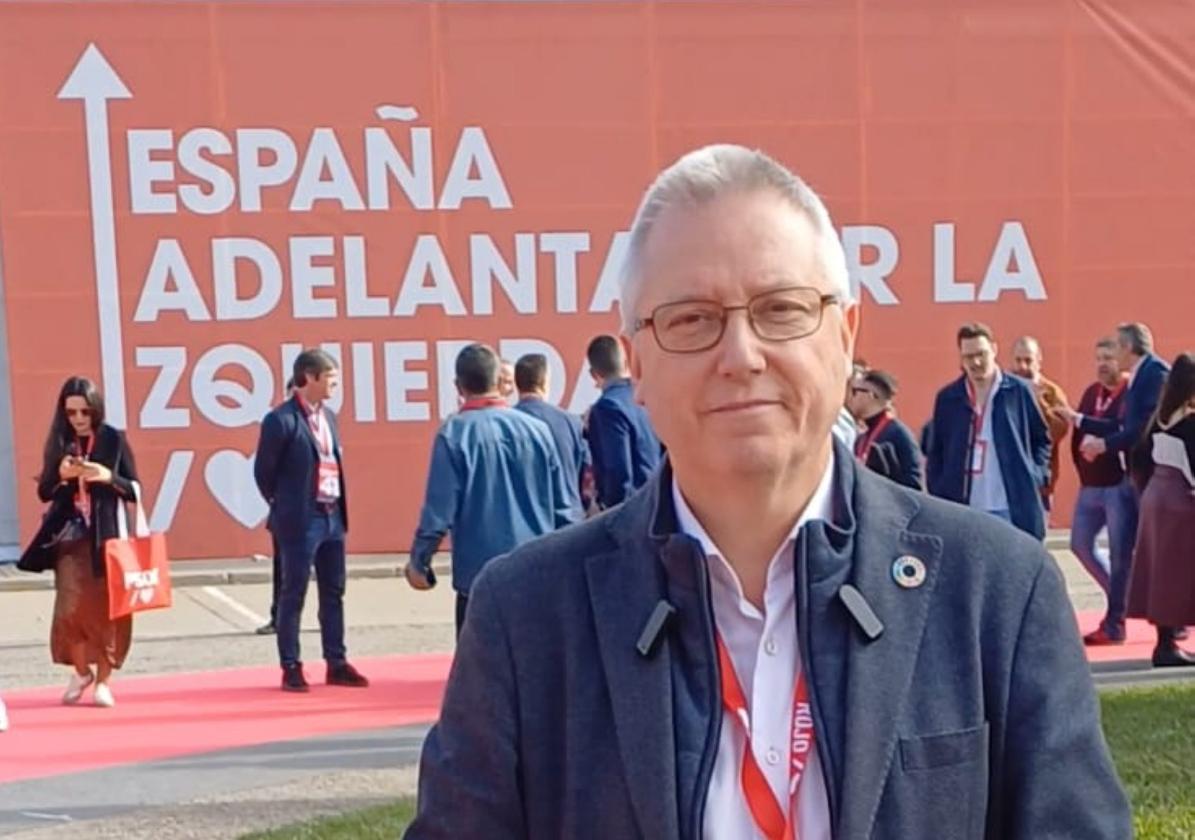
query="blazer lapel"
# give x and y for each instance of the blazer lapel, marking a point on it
(879, 673)
(624, 589)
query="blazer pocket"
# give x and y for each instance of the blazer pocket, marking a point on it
(947, 749)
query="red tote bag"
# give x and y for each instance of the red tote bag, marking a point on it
(138, 566)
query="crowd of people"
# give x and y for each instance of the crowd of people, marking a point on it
(993, 443)
(644, 585)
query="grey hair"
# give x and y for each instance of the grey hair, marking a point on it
(707, 173)
(1137, 336)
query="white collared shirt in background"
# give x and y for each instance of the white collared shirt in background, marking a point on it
(766, 656)
(987, 487)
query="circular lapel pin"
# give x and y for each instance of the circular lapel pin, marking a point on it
(908, 571)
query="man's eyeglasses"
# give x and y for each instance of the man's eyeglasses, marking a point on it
(857, 391)
(691, 326)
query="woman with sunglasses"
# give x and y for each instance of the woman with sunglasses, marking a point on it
(88, 473)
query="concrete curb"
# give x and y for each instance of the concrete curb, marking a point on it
(231, 573)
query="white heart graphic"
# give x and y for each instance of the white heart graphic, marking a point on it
(229, 476)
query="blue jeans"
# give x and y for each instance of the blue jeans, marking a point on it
(1115, 508)
(322, 546)
(1121, 505)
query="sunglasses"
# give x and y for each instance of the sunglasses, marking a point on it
(78, 412)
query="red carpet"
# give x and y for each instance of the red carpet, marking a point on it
(1139, 643)
(183, 714)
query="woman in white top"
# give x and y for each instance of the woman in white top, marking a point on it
(1163, 579)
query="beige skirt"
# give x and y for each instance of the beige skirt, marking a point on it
(81, 613)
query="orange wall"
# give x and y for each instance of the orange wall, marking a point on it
(244, 202)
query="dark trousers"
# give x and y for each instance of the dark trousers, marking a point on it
(462, 602)
(276, 581)
(321, 546)
(1122, 561)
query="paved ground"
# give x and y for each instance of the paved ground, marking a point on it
(223, 794)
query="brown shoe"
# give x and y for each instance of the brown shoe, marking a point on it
(1102, 638)
(346, 675)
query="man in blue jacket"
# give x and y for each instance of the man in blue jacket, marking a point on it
(531, 379)
(623, 444)
(1118, 435)
(494, 481)
(990, 446)
(300, 473)
(767, 640)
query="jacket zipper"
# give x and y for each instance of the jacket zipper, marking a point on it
(714, 729)
(804, 628)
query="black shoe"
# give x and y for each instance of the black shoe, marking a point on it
(293, 679)
(1180, 634)
(1172, 658)
(346, 675)
(267, 629)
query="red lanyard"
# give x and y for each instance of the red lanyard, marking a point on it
(863, 445)
(1102, 404)
(82, 495)
(475, 403)
(773, 820)
(977, 410)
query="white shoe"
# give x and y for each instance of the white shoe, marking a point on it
(76, 687)
(103, 696)
(3, 717)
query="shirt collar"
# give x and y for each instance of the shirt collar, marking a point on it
(614, 383)
(820, 506)
(310, 409)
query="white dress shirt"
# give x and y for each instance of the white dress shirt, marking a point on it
(763, 647)
(987, 487)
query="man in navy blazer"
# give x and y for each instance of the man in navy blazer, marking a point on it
(1119, 435)
(531, 380)
(623, 445)
(299, 472)
(766, 639)
(990, 446)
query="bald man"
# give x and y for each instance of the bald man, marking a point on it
(1026, 363)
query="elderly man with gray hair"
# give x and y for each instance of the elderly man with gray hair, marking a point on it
(766, 640)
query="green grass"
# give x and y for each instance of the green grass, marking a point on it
(1152, 736)
(1151, 733)
(384, 821)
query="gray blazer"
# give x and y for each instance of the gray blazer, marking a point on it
(971, 716)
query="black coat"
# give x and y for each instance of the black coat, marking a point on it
(112, 450)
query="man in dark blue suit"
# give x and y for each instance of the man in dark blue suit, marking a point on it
(300, 474)
(623, 445)
(765, 640)
(990, 446)
(1118, 435)
(531, 379)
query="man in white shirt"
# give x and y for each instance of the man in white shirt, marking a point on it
(766, 640)
(990, 447)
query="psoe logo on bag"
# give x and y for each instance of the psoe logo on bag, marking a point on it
(141, 585)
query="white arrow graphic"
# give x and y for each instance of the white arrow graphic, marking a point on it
(95, 82)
